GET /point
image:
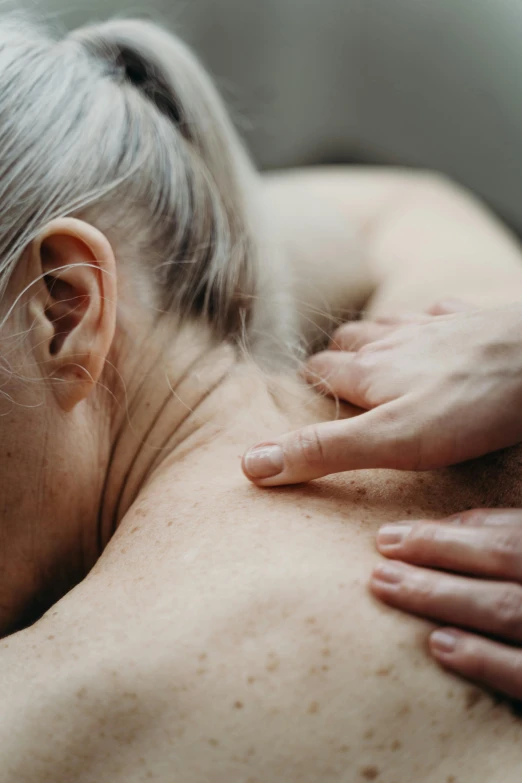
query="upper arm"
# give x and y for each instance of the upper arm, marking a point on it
(324, 218)
(418, 238)
(323, 248)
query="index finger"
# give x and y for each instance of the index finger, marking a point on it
(484, 661)
(494, 552)
(487, 517)
(376, 439)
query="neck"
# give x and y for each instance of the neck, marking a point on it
(157, 409)
(194, 396)
(175, 405)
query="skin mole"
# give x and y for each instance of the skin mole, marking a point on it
(473, 697)
(370, 773)
(313, 708)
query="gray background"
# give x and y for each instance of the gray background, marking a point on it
(432, 83)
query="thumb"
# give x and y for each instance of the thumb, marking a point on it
(376, 439)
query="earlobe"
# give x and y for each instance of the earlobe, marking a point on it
(73, 312)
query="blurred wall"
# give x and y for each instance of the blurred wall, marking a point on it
(432, 83)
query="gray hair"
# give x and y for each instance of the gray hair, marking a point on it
(119, 124)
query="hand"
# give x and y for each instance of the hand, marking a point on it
(437, 390)
(483, 549)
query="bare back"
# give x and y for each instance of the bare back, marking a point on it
(227, 634)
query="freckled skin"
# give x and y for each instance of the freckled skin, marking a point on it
(238, 579)
(203, 662)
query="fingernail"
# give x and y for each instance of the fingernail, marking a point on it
(387, 573)
(444, 641)
(264, 462)
(391, 536)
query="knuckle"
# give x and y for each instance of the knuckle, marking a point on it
(422, 537)
(475, 517)
(310, 448)
(507, 609)
(367, 355)
(424, 589)
(506, 548)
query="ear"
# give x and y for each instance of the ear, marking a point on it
(73, 307)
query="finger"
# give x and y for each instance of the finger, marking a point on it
(494, 608)
(449, 306)
(337, 373)
(494, 552)
(487, 517)
(403, 319)
(495, 665)
(352, 336)
(374, 439)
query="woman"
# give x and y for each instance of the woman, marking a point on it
(149, 333)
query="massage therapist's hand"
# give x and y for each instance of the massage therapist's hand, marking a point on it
(481, 599)
(436, 390)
